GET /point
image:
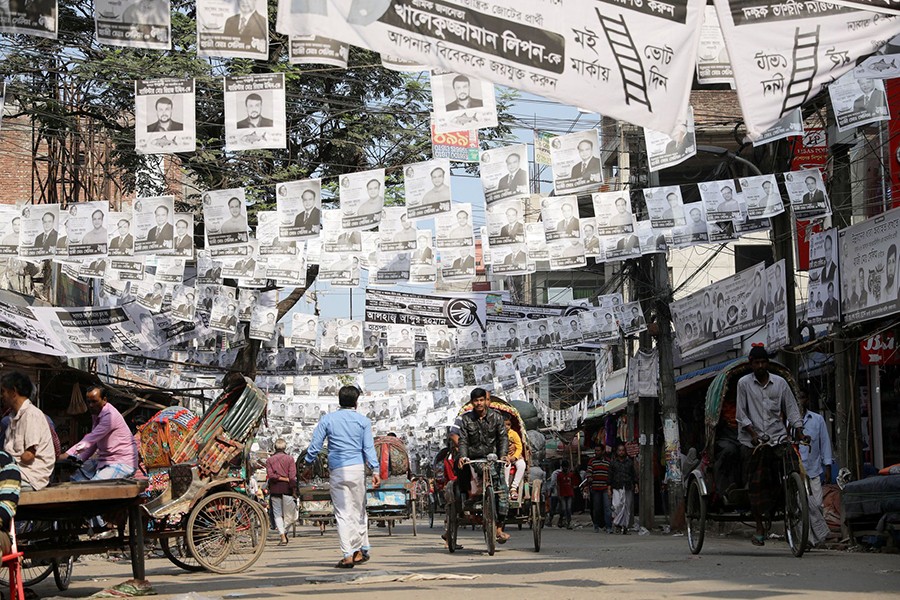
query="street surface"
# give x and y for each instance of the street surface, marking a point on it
(572, 564)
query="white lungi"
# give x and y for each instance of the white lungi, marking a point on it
(818, 528)
(621, 506)
(348, 495)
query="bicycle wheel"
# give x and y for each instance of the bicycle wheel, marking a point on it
(430, 511)
(488, 519)
(452, 519)
(176, 550)
(695, 515)
(536, 518)
(224, 532)
(796, 513)
(33, 571)
(62, 572)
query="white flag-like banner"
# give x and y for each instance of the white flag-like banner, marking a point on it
(631, 60)
(783, 54)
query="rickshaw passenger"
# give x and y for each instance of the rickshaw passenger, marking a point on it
(516, 457)
(482, 433)
(729, 459)
(762, 398)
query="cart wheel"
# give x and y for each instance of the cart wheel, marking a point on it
(413, 515)
(452, 519)
(62, 572)
(796, 514)
(226, 532)
(176, 550)
(33, 571)
(536, 525)
(695, 515)
(488, 519)
(431, 503)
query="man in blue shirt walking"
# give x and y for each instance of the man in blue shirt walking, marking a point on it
(817, 460)
(350, 448)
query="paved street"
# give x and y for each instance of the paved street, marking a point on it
(572, 564)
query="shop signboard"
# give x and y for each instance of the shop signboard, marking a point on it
(880, 349)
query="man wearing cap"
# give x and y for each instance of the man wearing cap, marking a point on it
(762, 397)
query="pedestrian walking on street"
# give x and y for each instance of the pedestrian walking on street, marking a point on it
(351, 447)
(598, 478)
(281, 474)
(623, 487)
(817, 461)
(553, 491)
(566, 481)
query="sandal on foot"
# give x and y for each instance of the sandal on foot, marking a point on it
(344, 565)
(363, 557)
(502, 538)
(758, 540)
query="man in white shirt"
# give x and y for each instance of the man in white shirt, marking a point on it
(28, 437)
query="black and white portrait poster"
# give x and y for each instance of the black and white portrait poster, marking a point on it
(462, 102)
(398, 232)
(441, 341)
(183, 243)
(664, 151)
(247, 299)
(567, 253)
(651, 240)
(575, 159)
(806, 191)
(858, 102)
(390, 268)
(30, 18)
(225, 218)
(762, 196)
(665, 206)
(362, 198)
(498, 336)
(713, 65)
(695, 230)
(164, 116)
(86, 229)
(632, 318)
(209, 270)
(620, 247)
(787, 126)
(184, 303)
(484, 375)
(454, 229)
(233, 29)
(869, 250)
(341, 269)
(39, 231)
(429, 380)
(170, 269)
(422, 260)
(720, 200)
(398, 383)
(287, 270)
(454, 377)
(134, 23)
(254, 112)
(777, 334)
(270, 243)
(150, 293)
(120, 240)
(334, 238)
(242, 263)
(506, 223)
(721, 231)
(613, 212)
(154, 224)
(824, 278)
(504, 173)
(264, 316)
(536, 242)
(592, 244)
(560, 217)
(505, 374)
(223, 316)
(470, 342)
(568, 328)
(426, 186)
(299, 207)
(511, 260)
(317, 50)
(400, 342)
(304, 330)
(10, 226)
(458, 264)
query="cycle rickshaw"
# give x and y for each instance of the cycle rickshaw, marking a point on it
(716, 490)
(480, 510)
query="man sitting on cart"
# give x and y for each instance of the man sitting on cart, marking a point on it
(482, 433)
(762, 398)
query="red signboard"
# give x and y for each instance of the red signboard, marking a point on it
(893, 95)
(880, 349)
(808, 152)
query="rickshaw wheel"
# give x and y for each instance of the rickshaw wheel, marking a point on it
(452, 519)
(796, 514)
(178, 553)
(430, 511)
(62, 572)
(226, 532)
(695, 515)
(489, 521)
(536, 525)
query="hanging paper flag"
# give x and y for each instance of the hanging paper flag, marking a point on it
(461, 102)
(504, 173)
(664, 151)
(137, 24)
(225, 218)
(222, 32)
(255, 112)
(576, 162)
(31, 18)
(164, 119)
(858, 102)
(299, 205)
(362, 198)
(316, 50)
(184, 235)
(713, 65)
(39, 231)
(427, 188)
(153, 225)
(783, 58)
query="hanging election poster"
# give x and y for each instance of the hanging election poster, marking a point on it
(30, 18)
(39, 231)
(223, 316)
(287, 270)
(247, 299)
(858, 102)
(391, 267)
(506, 223)
(121, 241)
(720, 200)
(10, 226)
(620, 247)
(264, 316)
(317, 50)
(736, 305)
(632, 318)
(694, 231)
(340, 268)
(651, 240)
(457, 146)
(576, 162)
(470, 342)
(225, 219)
(629, 62)
(397, 231)
(362, 198)
(299, 207)
(721, 231)
(806, 191)
(164, 116)
(334, 238)
(504, 173)
(568, 328)
(270, 243)
(536, 242)
(462, 102)
(209, 270)
(787, 126)
(458, 263)
(542, 147)
(592, 245)
(139, 24)
(762, 196)
(426, 187)
(154, 224)
(304, 330)
(664, 151)
(393, 63)
(170, 269)
(183, 242)
(459, 311)
(665, 206)
(183, 303)
(441, 341)
(613, 212)
(222, 32)
(150, 293)
(566, 253)
(782, 58)
(400, 340)
(454, 229)
(713, 64)
(127, 268)
(560, 217)
(824, 279)
(506, 376)
(871, 246)
(511, 260)
(777, 334)
(254, 111)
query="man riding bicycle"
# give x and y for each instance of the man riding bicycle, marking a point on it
(482, 432)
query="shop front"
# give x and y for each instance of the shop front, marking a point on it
(880, 398)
